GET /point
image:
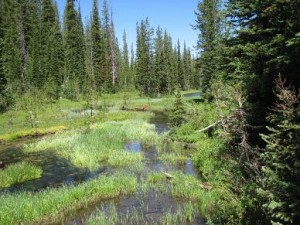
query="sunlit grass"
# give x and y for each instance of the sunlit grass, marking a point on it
(154, 178)
(31, 133)
(104, 143)
(182, 186)
(173, 158)
(52, 205)
(19, 172)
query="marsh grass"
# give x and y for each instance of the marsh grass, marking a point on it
(186, 187)
(19, 172)
(173, 158)
(52, 205)
(103, 144)
(185, 213)
(31, 133)
(154, 178)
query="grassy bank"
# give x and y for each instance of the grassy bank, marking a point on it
(51, 205)
(17, 173)
(215, 195)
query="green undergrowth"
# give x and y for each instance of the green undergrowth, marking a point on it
(220, 204)
(19, 172)
(199, 116)
(102, 144)
(52, 205)
(217, 200)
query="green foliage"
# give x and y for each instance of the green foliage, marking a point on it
(280, 183)
(74, 51)
(208, 23)
(178, 112)
(17, 173)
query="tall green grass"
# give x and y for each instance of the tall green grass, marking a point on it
(103, 144)
(19, 172)
(52, 205)
(181, 214)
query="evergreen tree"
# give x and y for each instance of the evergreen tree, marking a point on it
(106, 59)
(113, 53)
(187, 70)
(52, 51)
(3, 82)
(281, 159)
(169, 65)
(208, 24)
(260, 48)
(144, 57)
(132, 65)
(74, 51)
(96, 50)
(125, 76)
(180, 75)
(159, 75)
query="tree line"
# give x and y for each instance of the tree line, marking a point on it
(72, 58)
(249, 61)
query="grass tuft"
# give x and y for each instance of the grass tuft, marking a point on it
(19, 172)
(52, 205)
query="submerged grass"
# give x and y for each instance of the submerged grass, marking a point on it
(173, 158)
(52, 205)
(19, 172)
(183, 186)
(186, 213)
(104, 143)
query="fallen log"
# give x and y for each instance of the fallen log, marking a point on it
(210, 126)
(168, 176)
(205, 186)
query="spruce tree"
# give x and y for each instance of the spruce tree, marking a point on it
(125, 76)
(169, 66)
(180, 75)
(74, 51)
(106, 59)
(260, 49)
(96, 50)
(3, 82)
(187, 70)
(159, 76)
(281, 158)
(208, 24)
(52, 51)
(144, 57)
(114, 48)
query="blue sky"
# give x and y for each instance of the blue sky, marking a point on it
(174, 15)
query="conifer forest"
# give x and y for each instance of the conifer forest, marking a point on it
(100, 129)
